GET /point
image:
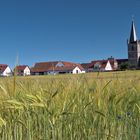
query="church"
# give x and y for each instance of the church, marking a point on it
(133, 49)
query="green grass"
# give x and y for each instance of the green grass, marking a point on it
(94, 106)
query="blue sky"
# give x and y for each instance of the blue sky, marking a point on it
(70, 30)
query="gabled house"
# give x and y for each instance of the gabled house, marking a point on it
(114, 63)
(103, 65)
(22, 70)
(5, 70)
(56, 67)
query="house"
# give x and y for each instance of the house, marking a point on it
(103, 65)
(114, 63)
(22, 70)
(5, 70)
(86, 66)
(56, 67)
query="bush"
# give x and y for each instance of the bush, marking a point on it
(124, 66)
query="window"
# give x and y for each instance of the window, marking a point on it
(132, 48)
(77, 71)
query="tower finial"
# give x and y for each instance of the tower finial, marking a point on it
(133, 36)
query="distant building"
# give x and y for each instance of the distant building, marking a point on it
(56, 67)
(22, 70)
(5, 70)
(133, 48)
(109, 64)
(86, 66)
(104, 65)
(117, 62)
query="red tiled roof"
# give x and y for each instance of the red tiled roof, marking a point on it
(85, 65)
(3, 67)
(101, 62)
(51, 66)
(21, 67)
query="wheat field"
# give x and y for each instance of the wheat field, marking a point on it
(95, 106)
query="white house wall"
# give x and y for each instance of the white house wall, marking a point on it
(83, 71)
(76, 70)
(115, 65)
(108, 67)
(26, 71)
(7, 72)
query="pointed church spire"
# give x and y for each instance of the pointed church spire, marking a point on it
(133, 36)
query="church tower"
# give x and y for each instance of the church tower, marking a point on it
(133, 48)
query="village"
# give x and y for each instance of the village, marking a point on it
(64, 67)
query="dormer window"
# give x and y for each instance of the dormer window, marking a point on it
(59, 64)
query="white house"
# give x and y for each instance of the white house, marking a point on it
(77, 70)
(5, 70)
(57, 67)
(23, 70)
(102, 65)
(106, 67)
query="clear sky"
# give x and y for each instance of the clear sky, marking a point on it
(69, 30)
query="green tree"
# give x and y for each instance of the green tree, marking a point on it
(124, 66)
